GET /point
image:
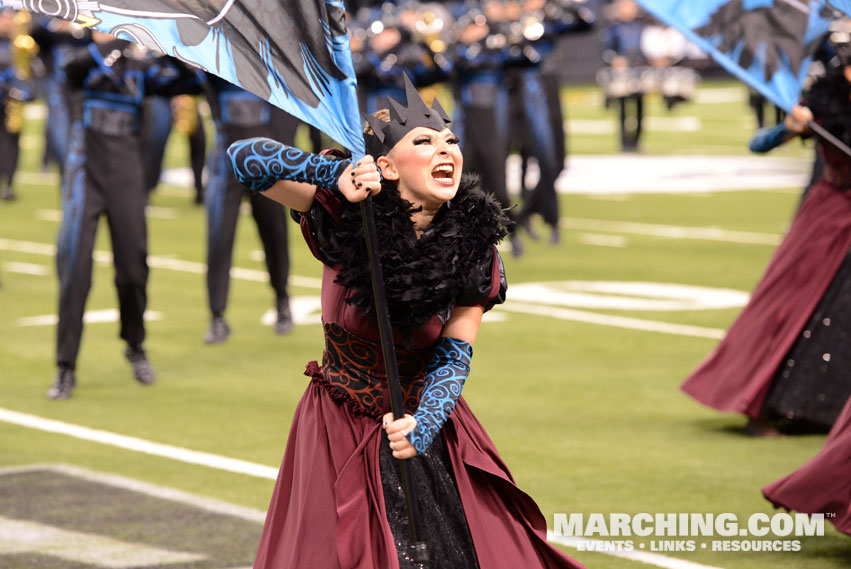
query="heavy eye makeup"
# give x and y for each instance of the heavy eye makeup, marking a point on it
(426, 139)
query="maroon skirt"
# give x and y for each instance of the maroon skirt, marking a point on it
(737, 375)
(327, 508)
(822, 485)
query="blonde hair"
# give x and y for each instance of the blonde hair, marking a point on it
(381, 114)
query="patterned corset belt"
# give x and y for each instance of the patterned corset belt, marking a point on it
(353, 372)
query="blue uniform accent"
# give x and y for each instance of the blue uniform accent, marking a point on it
(73, 200)
(624, 39)
(490, 77)
(217, 185)
(383, 82)
(239, 95)
(103, 68)
(260, 162)
(54, 47)
(58, 123)
(534, 106)
(482, 112)
(156, 130)
(447, 372)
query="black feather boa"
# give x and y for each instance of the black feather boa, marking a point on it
(422, 277)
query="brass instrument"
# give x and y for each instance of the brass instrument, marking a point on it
(23, 50)
(185, 114)
(432, 26)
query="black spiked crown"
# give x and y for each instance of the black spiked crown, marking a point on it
(403, 119)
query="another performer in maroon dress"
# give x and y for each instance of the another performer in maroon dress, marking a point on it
(338, 502)
(784, 362)
(822, 485)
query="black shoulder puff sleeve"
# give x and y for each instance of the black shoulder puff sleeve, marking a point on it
(487, 285)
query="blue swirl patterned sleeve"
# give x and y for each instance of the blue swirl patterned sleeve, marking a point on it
(258, 163)
(447, 372)
(768, 138)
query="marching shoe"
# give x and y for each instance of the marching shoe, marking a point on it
(284, 321)
(516, 245)
(218, 331)
(8, 194)
(142, 369)
(526, 224)
(555, 236)
(63, 385)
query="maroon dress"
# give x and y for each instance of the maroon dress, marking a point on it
(822, 485)
(328, 509)
(757, 353)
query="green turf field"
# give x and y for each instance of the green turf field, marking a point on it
(588, 416)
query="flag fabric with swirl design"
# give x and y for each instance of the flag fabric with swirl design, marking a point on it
(766, 43)
(293, 53)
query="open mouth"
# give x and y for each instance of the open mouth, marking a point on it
(445, 173)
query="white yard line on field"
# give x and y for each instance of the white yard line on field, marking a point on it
(679, 174)
(159, 262)
(26, 269)
(54, 215)
(242, 467)
(608, 126)
(29, 247)
(23, 537)
(152, 211)
(721, 96)
(602, 240)
(163, 492)
(139, 445)
(610, 320)
(308, 282)
(31, 177)
(89, 317)
(671, 231)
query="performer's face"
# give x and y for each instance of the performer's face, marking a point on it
(427, 165)
(6, 17)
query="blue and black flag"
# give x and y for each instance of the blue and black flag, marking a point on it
(843, 5)
(769, 44)
(293, 53)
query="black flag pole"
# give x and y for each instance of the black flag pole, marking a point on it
(419, 549)
(824, 135)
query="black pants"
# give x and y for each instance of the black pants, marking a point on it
(530, 104)
(631, 116)
(103, 176)
(156, 130)
(486, 149)
(198, 156)
(223, 198)
(159, 122)
(9, 152)
(552, 88)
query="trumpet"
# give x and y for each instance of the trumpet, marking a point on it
(23, 50)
